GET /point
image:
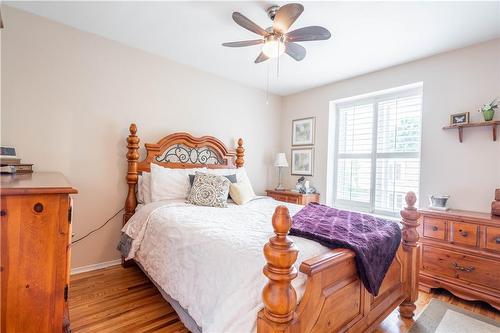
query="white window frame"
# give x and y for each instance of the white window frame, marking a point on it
(374, 99)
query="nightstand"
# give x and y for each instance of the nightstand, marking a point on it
(293, 197)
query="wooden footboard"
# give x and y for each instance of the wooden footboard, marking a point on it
(335, 299)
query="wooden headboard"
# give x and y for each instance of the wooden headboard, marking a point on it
(177, 150)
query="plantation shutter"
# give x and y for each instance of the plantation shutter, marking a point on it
(378, 151)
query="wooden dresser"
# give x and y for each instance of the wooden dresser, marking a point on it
(293, 197)
(461, 253)
(35, 243)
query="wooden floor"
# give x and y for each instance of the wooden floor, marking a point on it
(124, 300)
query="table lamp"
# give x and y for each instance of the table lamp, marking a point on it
(280, 162)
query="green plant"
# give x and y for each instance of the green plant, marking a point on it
(490, 107)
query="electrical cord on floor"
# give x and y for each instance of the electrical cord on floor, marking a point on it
(97, 229)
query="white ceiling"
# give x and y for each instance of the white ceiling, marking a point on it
(367, 36)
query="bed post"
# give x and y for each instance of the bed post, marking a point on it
(132, 158)
(240, 153)
(279, 296)
(411, 248)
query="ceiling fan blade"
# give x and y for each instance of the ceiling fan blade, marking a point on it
(286, 15)
(296, 51)
(244, 22)
(262, 57)
(244, 43)
(308, 33)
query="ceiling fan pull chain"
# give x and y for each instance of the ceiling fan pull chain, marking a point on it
(278, 63)
(268, 84)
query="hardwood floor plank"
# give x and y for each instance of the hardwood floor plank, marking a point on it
(127, 319)
(124, 300)
(155, 320)
(121, 294)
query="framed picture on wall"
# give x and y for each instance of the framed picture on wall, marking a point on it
(303, 162)
(459, 118)
(303, 131)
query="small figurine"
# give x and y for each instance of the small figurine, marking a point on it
(303, 186)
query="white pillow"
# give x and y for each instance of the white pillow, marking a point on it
(241, 174)
(140, 193)
(144, 188)
(241, 192)
(167, 183)
(221, 172)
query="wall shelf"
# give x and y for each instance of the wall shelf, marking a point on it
(493, 124)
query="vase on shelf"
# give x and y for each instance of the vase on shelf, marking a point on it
(488, 110)
(488, 114)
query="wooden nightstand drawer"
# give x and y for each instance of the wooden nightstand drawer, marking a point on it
(279, 197)
(434, 228)
(493, 238)
(464, 233)
(293, 197)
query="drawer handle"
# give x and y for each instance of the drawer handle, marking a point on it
(434, 228)
(463, 233)
(497, 240)
(38, 207)
(3, 213)
(463, 269)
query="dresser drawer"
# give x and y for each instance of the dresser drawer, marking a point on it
(278, 197)
(462, 267)
(464, 233)
(493, 238)
(434, 228)
(294, 200)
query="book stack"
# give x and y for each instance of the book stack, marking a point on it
(495, 205)
(10, 163)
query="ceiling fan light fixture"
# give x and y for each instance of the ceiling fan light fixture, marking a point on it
(273, 46)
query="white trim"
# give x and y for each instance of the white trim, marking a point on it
(94, 267)
(382, 93)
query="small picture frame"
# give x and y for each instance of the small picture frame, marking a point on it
(459, 119)
(303, 131)
(302, 161)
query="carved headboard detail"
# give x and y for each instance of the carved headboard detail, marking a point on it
(178, 150)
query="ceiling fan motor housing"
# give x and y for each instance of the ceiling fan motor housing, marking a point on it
(271, 11)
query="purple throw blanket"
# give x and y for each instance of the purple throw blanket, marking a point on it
(373, 240)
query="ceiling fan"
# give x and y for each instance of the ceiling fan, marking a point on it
(277, 39)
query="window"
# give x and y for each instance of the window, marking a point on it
(377, 151)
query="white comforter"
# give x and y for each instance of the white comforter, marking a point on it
(210, 259)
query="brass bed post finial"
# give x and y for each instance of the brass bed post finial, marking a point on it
(132, 158)
(240, 153)
(411, 248)
(279, 296)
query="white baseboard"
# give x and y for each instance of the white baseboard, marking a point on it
(94, 267)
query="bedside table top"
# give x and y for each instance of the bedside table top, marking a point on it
(35, 183)
(289, 193)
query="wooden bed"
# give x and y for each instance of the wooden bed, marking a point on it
(335, 299)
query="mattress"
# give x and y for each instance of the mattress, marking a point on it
(209, 259)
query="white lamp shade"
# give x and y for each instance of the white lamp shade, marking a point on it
(280, 160)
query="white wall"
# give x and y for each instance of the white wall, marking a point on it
(68, 98)
(457, 81)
